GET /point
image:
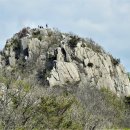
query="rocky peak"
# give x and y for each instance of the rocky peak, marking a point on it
(64, 59)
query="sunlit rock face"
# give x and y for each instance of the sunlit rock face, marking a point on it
(66, 59)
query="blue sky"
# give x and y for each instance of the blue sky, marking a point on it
(105, 21)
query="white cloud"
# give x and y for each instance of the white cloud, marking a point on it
(106, 21)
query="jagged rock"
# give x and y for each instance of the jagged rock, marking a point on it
(3, 90)
(25, 42)
(63, 73)
(60, 56)
(12, 61)
(67, 63)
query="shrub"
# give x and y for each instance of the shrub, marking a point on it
(115, 61)
(112, 99)
(73, 41)
(23, 33)
(57, 112)
(102, 107)
(127, 100)
(95, 47)
(37, 34)
(90, 64)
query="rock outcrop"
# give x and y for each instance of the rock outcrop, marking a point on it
(66, 58)
(63, 73)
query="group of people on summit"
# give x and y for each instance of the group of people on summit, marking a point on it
(42, 26)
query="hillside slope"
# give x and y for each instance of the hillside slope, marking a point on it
(54, 80)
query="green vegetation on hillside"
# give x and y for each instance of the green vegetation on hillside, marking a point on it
(29, 107)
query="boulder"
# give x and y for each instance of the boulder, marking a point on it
(63, 73)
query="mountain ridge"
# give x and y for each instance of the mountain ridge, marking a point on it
(66, 50)
(53, 80)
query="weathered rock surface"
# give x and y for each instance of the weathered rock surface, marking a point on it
(62, 73)
(3, 89)
(66, 59)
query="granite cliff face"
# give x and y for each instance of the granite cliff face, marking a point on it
(66, 58)
(53, 80)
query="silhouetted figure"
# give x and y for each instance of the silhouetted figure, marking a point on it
(40, 26)
(46, 25)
